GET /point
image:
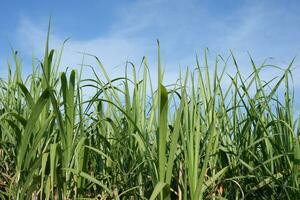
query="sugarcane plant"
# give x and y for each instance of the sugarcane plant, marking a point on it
(209, 135)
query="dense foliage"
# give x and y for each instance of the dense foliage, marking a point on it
(196, 139)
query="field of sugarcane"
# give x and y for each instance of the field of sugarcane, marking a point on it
(209, 135)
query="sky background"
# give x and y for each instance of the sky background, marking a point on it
(117, 31)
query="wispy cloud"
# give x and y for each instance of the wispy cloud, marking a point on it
(184, 28)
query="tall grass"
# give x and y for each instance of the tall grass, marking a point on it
(195, 139)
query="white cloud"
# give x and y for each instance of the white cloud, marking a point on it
(184, 28)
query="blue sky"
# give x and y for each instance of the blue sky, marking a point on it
(120, 30)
